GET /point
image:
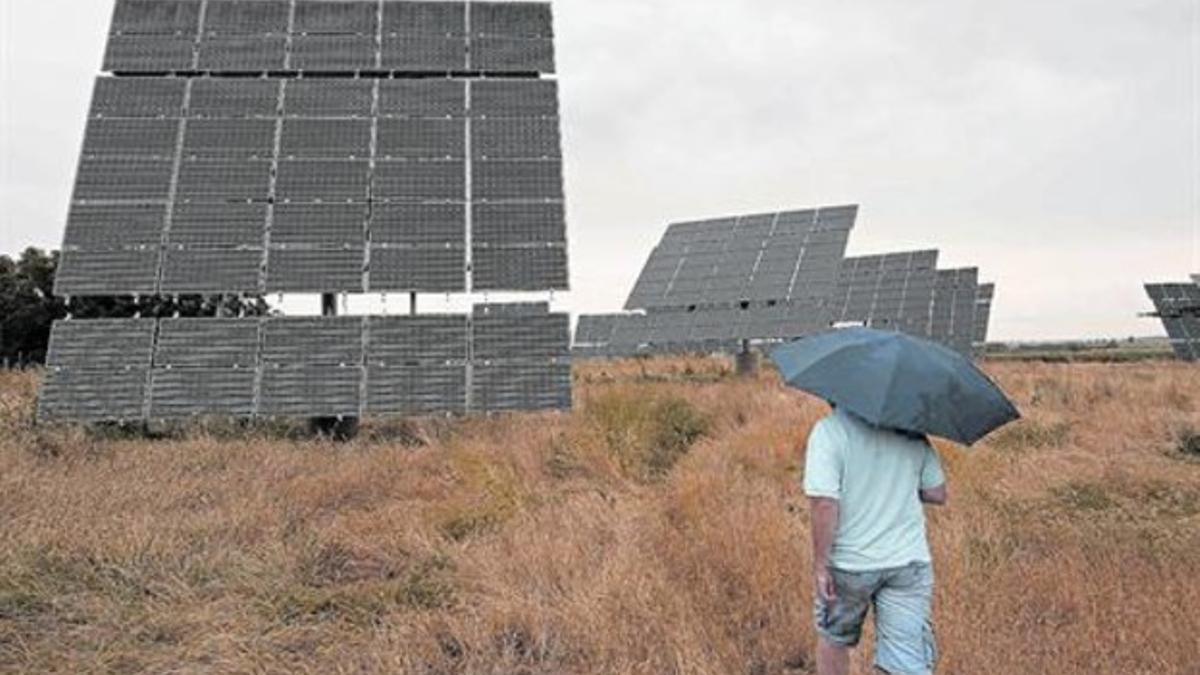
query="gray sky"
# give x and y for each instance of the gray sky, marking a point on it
(1053, 144)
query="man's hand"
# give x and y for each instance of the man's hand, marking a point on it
(826, 588)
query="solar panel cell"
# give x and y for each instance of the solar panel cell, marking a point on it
(512, 19)
(520, 269)
(140, 53)
(504, 387)
(517, 180)
(516, 224)
(332, 53)
(246, 17)
(134, 179)
(322, 391)
(417, 390)
(118, 272)
(207, 343)
(93, 395)
(103, 226)
(224, 180)
(499, 337)
(419, 224)
(243, 54)
(216, 225)
(416, 180)
(205, 271)
(315, 270)
(417, 53)
(322, 225)
(324, 180)
(329, 98)
(425, 269)
(232, 138)
(108, 137)
(427, 18)
(421, 138)
(312, 341)
(338, 18)
(234, 98)
(398, 341)
(177, 394)
(318, 138)
(138, 97)
(110, 344)
(512, 55)
(514, 98)
(516, 138)
(423, 98)
(155, 17)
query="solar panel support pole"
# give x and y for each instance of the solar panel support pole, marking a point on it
(333, 428)
(412, 304)
(747, 361)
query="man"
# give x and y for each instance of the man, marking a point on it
(866, 487)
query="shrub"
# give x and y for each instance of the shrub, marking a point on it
(646, 435)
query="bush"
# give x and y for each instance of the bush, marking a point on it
(646, 435)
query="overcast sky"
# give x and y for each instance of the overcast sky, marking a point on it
(1051, 143)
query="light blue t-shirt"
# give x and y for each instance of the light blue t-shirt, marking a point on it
(876, 475)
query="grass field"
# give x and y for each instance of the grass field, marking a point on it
(657, 529)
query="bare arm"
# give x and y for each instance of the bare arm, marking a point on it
(937, 496)
(824, 525)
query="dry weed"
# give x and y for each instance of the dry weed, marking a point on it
(657, 529)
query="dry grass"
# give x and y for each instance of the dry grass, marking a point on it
(658, 529)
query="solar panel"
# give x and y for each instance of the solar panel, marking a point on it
(217, 225)
(953, 316)
(766, 257)
(501, 358)
(320, 146)
(424, 269)
(198, 392)
(309, 270)
(983, 312)
(1178, 305)
(888, 292)
(211, 271)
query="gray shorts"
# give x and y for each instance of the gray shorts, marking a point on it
(903, 600)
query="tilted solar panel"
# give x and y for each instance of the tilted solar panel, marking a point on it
(767, 257)
(889, 292)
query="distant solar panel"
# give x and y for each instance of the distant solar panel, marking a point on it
(983, 312)
(888, 292)
(954, 303)
(1178, 305)
(770, 257)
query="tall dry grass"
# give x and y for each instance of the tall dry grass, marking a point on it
(657, 529)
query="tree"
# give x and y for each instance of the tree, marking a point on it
(28, 307)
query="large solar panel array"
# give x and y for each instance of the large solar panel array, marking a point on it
(1178, 305)
(318, 146)
(710, 285)
(278, 159)
(500, 358)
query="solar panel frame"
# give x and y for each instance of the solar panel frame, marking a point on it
(190, 270)
(421, 269)
(114, 226)
(315, 270)
(217, 225)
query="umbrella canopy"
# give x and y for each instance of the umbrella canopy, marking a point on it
(896, 381)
